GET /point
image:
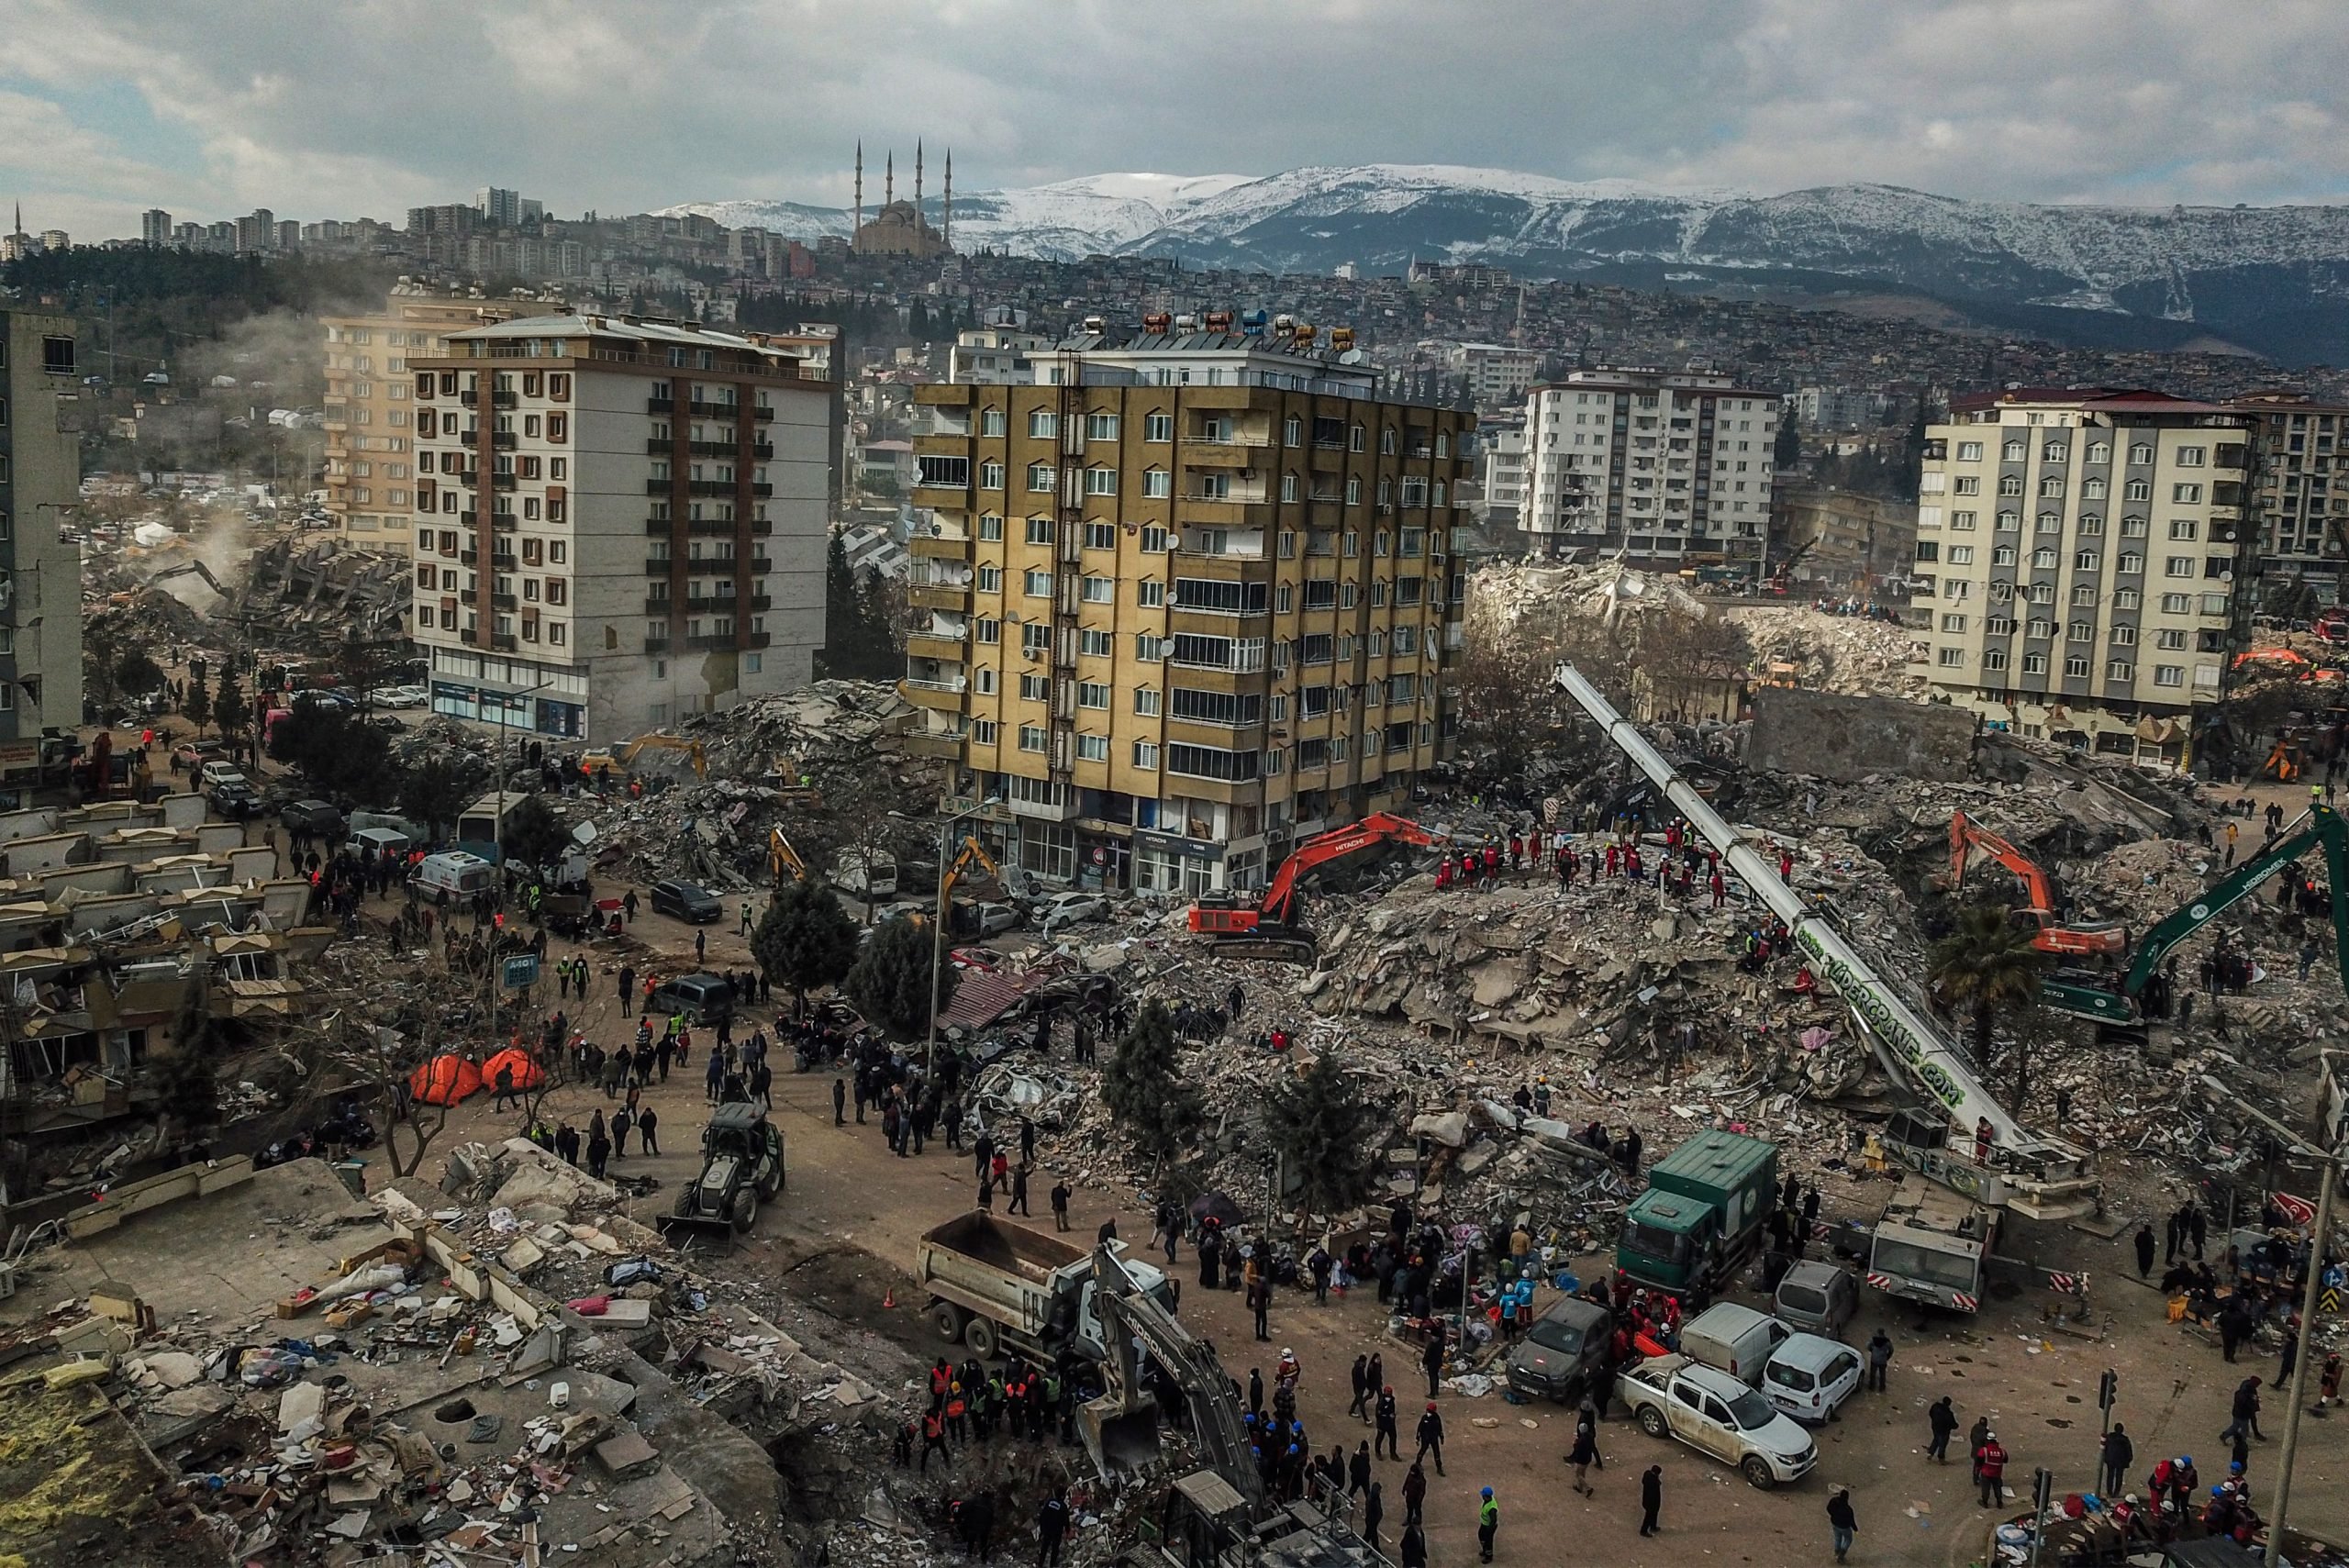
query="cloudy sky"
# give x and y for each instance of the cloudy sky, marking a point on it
(364, 107)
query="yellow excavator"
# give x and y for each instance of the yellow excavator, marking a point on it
(615, 760)
(782, 858)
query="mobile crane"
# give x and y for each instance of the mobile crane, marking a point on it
(2321, 829)
(1245, 925)
(2029, 1172)
(1966, 835)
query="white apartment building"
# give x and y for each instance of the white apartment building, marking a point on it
(1666, 467)
(1504, 484)
(994, 356)
(2080, 551)
(2303, 486)
(647, 498)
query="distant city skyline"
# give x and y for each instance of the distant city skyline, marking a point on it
(109, 107)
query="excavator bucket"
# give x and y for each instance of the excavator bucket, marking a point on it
(1121, 1442)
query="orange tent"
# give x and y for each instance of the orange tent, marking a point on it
(444, 1081)
(527, 1073)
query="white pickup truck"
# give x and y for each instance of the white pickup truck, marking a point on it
(1716, 1414)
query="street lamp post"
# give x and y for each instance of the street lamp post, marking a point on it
(937, 923)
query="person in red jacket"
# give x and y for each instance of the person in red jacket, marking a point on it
(1991, 1468)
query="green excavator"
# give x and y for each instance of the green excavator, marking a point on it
(2086, 997)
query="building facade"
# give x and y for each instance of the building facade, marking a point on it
(1181, 600)
(2086, 556)
(1842, 542)
(642, 505)
(40, 572)
(1664, 468)
(2303, 499)
(369, 416)
(1496, 373)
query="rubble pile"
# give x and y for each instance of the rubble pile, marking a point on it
(1847, 655)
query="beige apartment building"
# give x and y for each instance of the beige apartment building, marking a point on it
(40, 569)
(370, 445)
(618, 522)
(1181, 600)
(2086, 558)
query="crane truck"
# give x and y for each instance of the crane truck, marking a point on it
(2020, 1170)
(1245, 925)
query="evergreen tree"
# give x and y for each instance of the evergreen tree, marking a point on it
(532, 834)
(438, 793)
(839, 608)
(229, 709)
(196, 704)
(876, 642)
(890, 980)
(1143, 1086)
(1788, 451)
(1323, 1124)
(805, 940)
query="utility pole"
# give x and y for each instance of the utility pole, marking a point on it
(2328, 1166)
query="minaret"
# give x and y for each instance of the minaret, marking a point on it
(917, 185)
(946, 213)
(860, 189)
(889, 182)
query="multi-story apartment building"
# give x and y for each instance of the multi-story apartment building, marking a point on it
(2080, 551)
(40, 574)
(155, 228)
(1504, 484)
(1494, 372)
(2303, 498)
(642, 505)
(1181, 599)
(1667, 468)
(369, 434)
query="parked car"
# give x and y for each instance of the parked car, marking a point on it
(688, 902)
(1818, 1298)
(234, 799)
(993, 918)
(1733, 1338)
(1064, 910)
(1563, 1350)
(400, 697)
(195, 753)
(1809, 1377)
(702, 998)
(313, 819)
(217, 771)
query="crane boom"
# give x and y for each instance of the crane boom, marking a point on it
(2324, 828)
(2046, 1178)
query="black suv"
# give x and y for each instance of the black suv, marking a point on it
(694, 905)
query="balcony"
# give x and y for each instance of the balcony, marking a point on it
(658, 446)
(932, 743)
(659, 484)
(467, 557)
(660, 406)
(658, 565)
(501, 601)
(503, 641)
(504, 523)
(941, 546)
(701, 410)
(470, 399)
(468, 597)
(658, 605)
(504, 440)
(468, 519)
(729, 450)
(712, 528)
(934, 643)
(939, 597)
(712, 643)
(502, 400)
(762, 414)
(762, 563)
(762, 492)
(502, 480)
(658, 527)
(653, 644)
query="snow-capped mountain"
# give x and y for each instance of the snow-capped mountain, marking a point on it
(2275, 279)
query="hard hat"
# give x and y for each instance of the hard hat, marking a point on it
(1488, 1494)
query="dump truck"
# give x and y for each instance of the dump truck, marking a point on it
(1933, 1245)
(994, 1285)
(1701, 1215)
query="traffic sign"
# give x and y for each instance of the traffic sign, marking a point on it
(518, 971)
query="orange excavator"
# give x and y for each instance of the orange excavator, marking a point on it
(1245, 925)
(2080, 937)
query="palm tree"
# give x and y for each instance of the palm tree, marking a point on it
(1987, 964)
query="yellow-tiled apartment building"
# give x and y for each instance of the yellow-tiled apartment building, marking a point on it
(1180, 600)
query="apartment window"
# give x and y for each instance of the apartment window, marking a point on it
(1949, 658)
(1157, 426)
(1292, 431)
(2177, 603)
(2012, 452)
(2050, 522)
(1146, 701)
(1100, 481)
(1148, 649)
(1032, 738)
(2184, 529)
(2139, 490)
(2130, 562)
(1099, 590)
(991, 475)
(2083, 561)
(983, 731)
(2092, 489)
(1095, 644)
(990, 527)
(1353, 440)
(1150, 594)
(2099, 451)
(2084, 593)
(2043, 559)
(1100, 427)
(2186, 495)
(2178, 566)
(1387, 441)
(1036, 585)
(1146, 755)
(2172, 639)
(1093, 748)
(2079, 631)
(990, 579)
(990, 421)
(1100, 535)
(1969, 452)
(986, 631)
(1966, 485)
(2169, 674)
(2191, 457)
(1994, 659)
(2011, 484)
(1043, 424)
(2134, 527)
(1961, 522)
(1953, 623)
(1156, 540)
(1959, 554)
(2075, 667)
(2040, 629)
(2010, 522)
(1157, 484)
(2051, 484)
(1288, 487)
(1039, 530)
(1093, 693)
(2034, 664)
(1042, 476)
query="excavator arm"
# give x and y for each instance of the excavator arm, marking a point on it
(1379, 827)
(971, 853)
(692, 749)
(781, 857)
(1965, 837)
(1131, 1324)
(2324, 828)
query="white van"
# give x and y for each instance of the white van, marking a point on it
(872, 881)
(455, 872)
(1735, 1340)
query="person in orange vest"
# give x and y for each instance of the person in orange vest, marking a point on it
(1492, 864)
(957, 1413)
(933, 1441)
(1516, 851)
(1443, 873)
(1785, 864)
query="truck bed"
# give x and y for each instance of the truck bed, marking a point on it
(1033, 1255)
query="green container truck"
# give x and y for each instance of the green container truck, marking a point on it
(1702, 1215)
